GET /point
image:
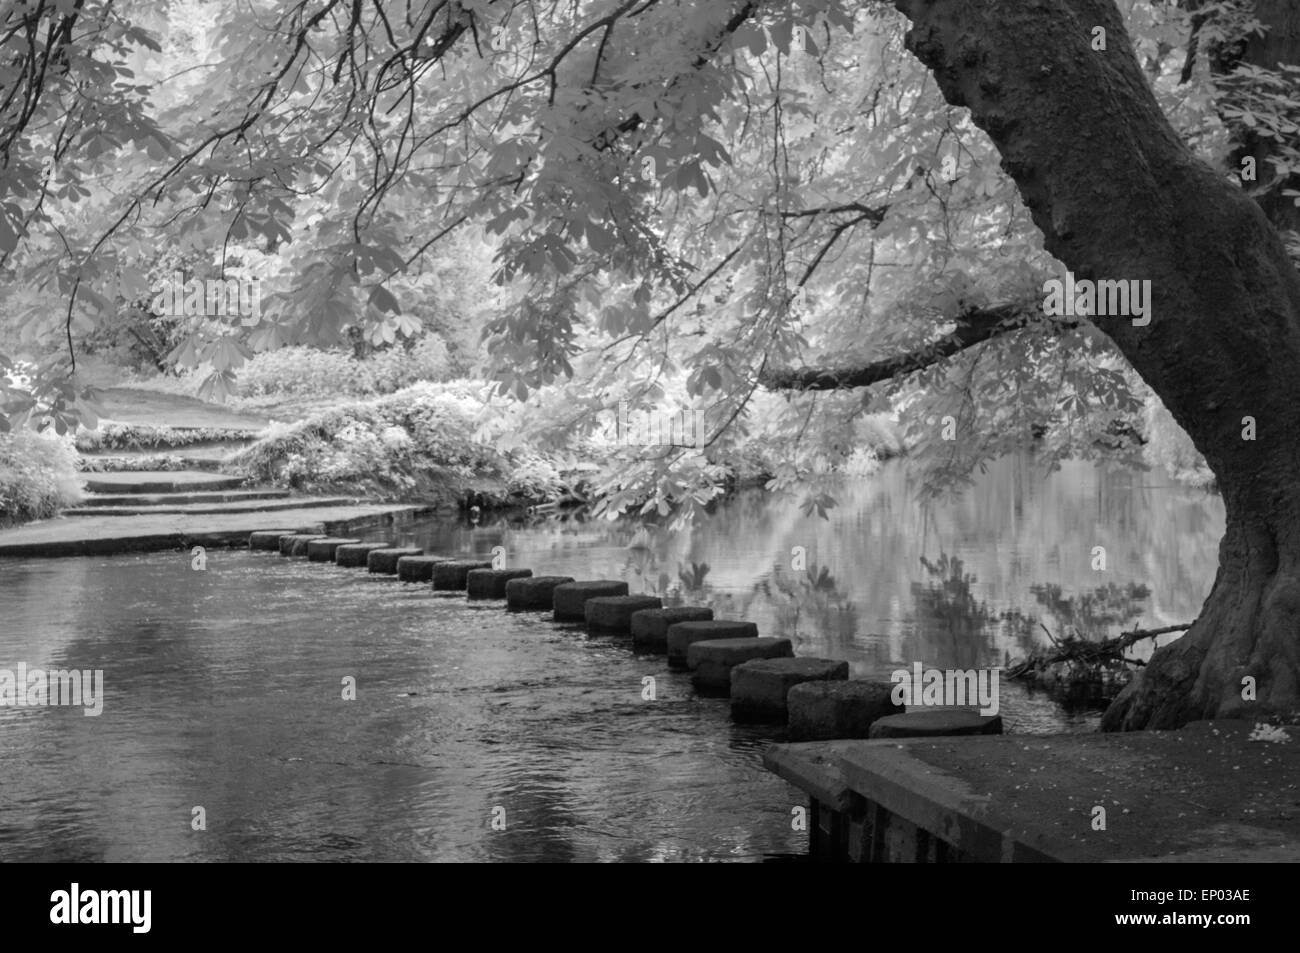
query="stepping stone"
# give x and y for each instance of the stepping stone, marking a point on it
(712, 660)
(537, 593)
(491, 583)
(417, 568)
(650, 626)
(268, 538)
(385, 560)
(160, 481)
(759, 688)
(452, 575)
(295, 544)
(937, 723)
(571, 597)
(682, 634)
(612, 615)
(828, 711)
(322, 550)
(356, 554)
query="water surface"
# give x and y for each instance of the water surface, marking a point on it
(224, 687)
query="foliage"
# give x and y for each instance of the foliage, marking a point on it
(142, 436)
(38, 476)
(303, 371)
(651, 203)
(1169, 447)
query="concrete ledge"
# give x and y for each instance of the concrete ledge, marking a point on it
(682, 634)
(650, 626)
(491, 583)
(933, 723)
(452, 575)
(1169, 796)
(759, 688)
(712, 660)
(569, 599)
(295, 544)
(612, 615)
(384, 561)
(823, 711)
(110, 535)
(356, 555)
(268, 539)
(322, 550)
(417, 568)
(533, 595)
(813, 767)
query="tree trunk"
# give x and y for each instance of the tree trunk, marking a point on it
(1118, 195)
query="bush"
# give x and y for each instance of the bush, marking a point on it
(420, 439)
(304, 371)
(38, 476)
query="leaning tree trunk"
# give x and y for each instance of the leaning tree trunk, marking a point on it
(1118, 195)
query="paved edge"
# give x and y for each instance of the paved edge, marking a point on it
(184, 539)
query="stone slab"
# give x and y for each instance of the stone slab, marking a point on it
(384, 561)
(452, 575)
(612, 615)
(650, 626)
(569, 599)
(533, 595)
(828, 710)
(712, 660)
(491, 583)
(759, 688)
(931, 723)
(682, 634)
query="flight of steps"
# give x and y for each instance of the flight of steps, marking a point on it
(184, 482)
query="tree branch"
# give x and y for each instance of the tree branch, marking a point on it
(974, 327)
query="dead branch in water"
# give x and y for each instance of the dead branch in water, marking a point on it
(1077, 651)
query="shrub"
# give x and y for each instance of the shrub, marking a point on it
(38, 476)
(416, 440)
(304, 371)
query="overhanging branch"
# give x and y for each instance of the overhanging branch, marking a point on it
(974, 327)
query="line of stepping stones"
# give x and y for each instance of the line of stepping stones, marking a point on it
(764, 680)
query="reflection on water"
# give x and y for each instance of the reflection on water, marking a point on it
(223, 687)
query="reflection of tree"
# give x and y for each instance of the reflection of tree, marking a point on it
(1096, 614)
(953, 628)
(813, 593)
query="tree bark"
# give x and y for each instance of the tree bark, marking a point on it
(1118, 195)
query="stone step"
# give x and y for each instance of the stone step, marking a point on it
(384, 561)
(936, 723)
(570, 598)
(650, 626)
(491, 583)
(759, 689)
(612, 615)
(712, 660)
(452, 575)
(180, 499)
(534, 594)
(106, 535)
(682, 634)
(139, 463)
(833, 710)
(159, 481)
(247, 506)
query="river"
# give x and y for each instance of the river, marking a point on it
(223, 687)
